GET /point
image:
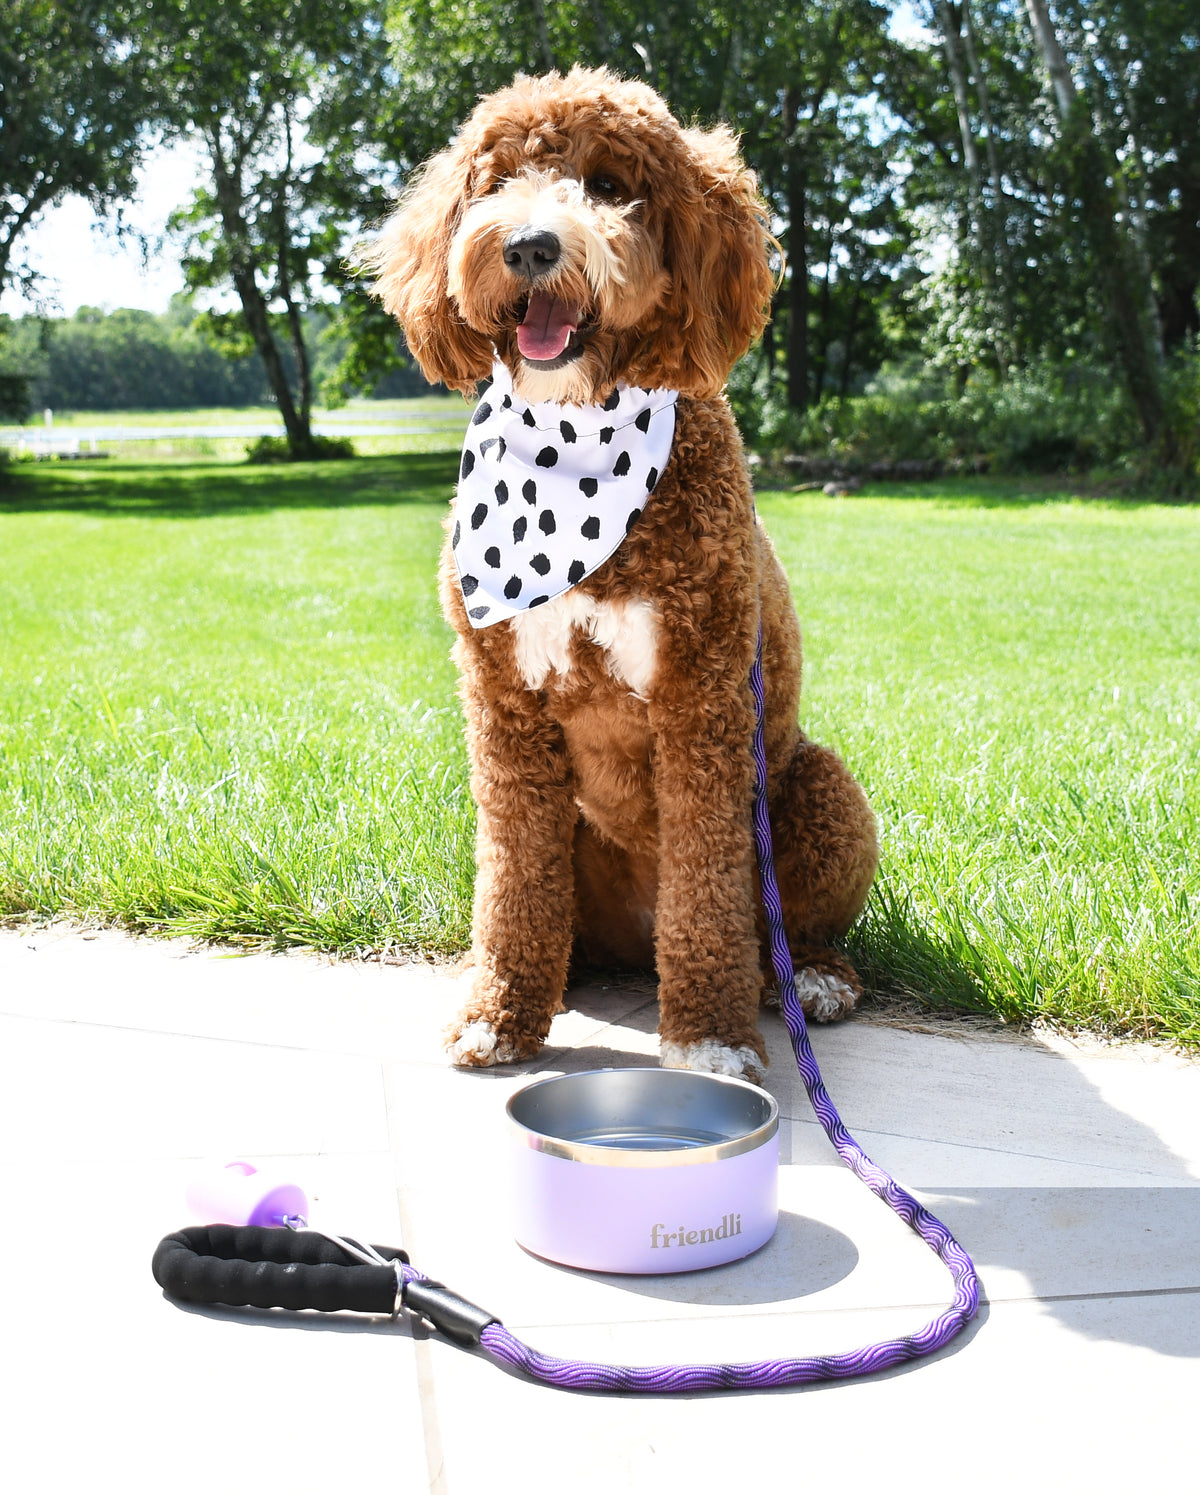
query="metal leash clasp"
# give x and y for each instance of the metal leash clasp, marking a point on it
(366, 1254)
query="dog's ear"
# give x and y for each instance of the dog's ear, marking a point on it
(717, 249)
(409, 258)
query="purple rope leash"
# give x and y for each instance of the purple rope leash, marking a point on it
(583, 1375)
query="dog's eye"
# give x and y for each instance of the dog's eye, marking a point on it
(606, 187)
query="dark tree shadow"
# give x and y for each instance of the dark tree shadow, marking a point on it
(202, 490)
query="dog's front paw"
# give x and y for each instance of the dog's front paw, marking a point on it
(477, 1045)
(712, 1057)
(825, 997)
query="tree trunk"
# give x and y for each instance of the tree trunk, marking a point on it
(996, 215)
(284, 282)
(731, 75)
(1053, 58)
(848, 346)
(952, 47)
(820, 362)
(796, 198)
(797, 246)
(542, 30)
(601, 42)
(1130, 205)
(231, 206)
(981, 224)
(1113, 260)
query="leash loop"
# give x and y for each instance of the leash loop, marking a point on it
(264, 1268)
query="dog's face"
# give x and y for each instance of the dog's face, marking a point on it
(579, 231)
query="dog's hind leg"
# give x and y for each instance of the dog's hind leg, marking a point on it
(826, 852)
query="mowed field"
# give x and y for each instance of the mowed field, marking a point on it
(227, 709)
(376, 427)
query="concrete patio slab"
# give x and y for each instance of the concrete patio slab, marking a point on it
(1071, 1171)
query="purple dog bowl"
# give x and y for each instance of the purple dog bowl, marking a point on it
(644, 1170)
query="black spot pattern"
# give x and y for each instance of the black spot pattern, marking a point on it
(547, 444)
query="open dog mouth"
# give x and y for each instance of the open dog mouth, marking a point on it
(550, 331)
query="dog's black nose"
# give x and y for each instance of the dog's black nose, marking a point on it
(531, 251)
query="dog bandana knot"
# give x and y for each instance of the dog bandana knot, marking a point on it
(547, 492)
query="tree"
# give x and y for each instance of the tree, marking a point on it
(797, 84)
(274, 91)
(74, 108)
(1093, 176)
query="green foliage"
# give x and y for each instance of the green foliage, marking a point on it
(277, 93)
(15, 403)
(364, 352)
(268, 449)
(955, 206)
(128, 359)
(1044, 419)
(75, 102)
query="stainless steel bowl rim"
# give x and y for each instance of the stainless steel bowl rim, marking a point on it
(606, 1156)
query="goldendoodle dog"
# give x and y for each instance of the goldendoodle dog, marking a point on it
(605, 267)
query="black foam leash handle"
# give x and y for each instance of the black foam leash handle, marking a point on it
(252, 1266)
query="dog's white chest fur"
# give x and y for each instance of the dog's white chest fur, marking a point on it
(626, 631)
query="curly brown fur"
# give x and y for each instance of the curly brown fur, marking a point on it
(614, 782)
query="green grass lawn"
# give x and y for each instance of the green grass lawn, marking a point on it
(226, 709)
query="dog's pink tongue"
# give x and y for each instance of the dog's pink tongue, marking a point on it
(547, 327)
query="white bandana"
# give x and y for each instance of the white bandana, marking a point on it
(547, 492)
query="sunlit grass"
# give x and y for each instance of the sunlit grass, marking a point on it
(1018, 686)
(227, 705)
(226, 708)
